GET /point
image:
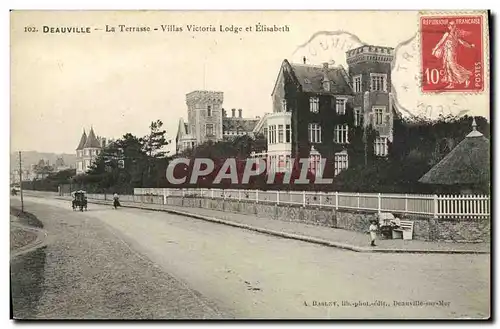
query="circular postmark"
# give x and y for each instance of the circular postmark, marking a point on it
(331, 47)
(326, 47)
(406, 87)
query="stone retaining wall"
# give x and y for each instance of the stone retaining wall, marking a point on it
(424, 228)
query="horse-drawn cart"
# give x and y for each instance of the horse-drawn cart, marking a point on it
(79, 200)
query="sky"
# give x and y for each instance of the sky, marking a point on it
(120, 82)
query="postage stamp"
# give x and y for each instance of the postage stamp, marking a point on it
(452, 53)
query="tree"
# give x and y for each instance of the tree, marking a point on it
(153, 145)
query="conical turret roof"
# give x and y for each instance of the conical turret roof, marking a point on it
(83, 139)
(467, 163)
(92, 140)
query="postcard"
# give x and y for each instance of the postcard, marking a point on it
(250, 165)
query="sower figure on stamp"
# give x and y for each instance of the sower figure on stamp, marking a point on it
(373, 231)
(446, 49)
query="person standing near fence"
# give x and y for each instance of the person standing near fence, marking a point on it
(373, 231)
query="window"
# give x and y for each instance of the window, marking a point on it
(280, 133)
(281, 163)
(314, 133)
(315, 162)
(341, 162)
(357, 116)
(209, 111)
(341, 134)
(283, 105)
(378, 82)
(356, 84)
(273, 163)
(210, 129)
(288, 134)
(381, 146)
(272, 134)
(288, 162)
(340, 105)
(379, 115)
(314, 104)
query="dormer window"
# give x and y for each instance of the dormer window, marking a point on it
(283, 105)
(209, 111)
(326, 85)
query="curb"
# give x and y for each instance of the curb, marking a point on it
(41, 236)
(298, 236)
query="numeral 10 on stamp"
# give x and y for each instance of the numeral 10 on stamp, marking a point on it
(452, 53)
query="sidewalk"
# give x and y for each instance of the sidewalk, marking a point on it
(339, 238)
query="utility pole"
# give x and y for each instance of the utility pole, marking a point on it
(21, 182)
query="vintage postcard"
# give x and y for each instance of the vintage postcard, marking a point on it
(250, 165)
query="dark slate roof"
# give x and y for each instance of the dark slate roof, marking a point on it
(232, 124)
(311, 78)
(92, 140)
(83, 139)
(467, 164)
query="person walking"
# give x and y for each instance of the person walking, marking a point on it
(116, 201)
(373, 231)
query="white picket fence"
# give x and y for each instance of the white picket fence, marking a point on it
(437, 206)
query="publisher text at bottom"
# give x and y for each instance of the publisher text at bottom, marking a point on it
(378, 303)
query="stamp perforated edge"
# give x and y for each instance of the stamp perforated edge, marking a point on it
(485, 44)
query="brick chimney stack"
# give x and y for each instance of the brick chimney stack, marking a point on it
(233, 112)
(240, 113)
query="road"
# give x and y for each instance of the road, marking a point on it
(158, 265)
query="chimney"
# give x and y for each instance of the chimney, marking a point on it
(304, 59)
(224, 114)
(233, 112)
(239, 113)
(326, 80)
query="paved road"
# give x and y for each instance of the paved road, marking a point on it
(232, 272)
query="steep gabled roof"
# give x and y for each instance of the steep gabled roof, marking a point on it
(311, 77)
(83, 139)
(182, 129)
(92, 140)
(245, 124)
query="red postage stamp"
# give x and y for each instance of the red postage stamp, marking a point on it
(452, 53)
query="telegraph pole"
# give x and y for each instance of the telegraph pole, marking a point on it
(21, 182)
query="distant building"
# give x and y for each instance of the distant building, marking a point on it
(87, 150)
(208, 121)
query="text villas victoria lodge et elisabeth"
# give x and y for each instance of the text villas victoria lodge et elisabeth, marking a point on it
(225, 28)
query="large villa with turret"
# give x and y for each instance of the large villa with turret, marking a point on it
(87, 150)
(317, 111)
